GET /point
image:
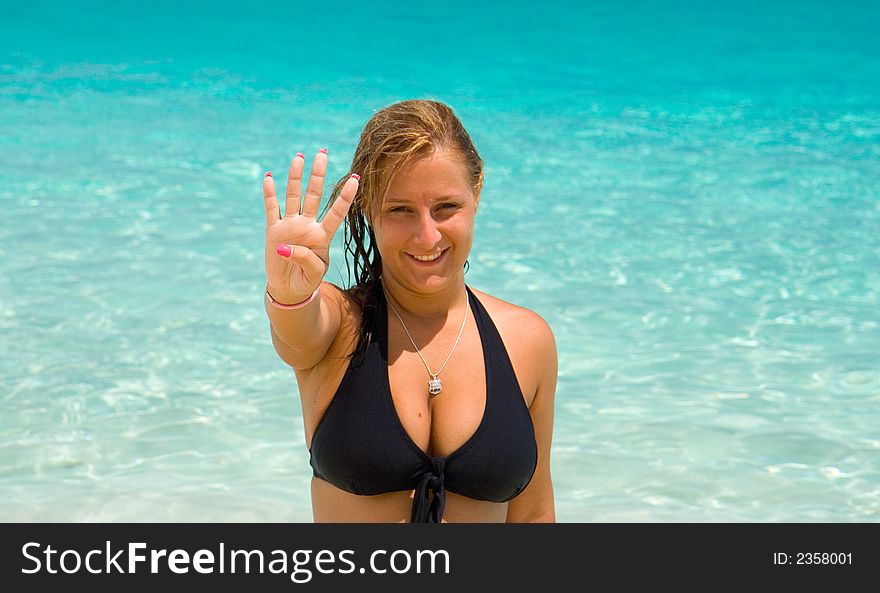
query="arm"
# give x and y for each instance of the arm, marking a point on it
(302, 336)
(535, 503)
(297, 258)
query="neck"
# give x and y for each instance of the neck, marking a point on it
(435, 306)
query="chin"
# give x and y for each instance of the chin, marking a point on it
(426, 276)
(424, 280)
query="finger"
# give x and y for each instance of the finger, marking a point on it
(294, 185)
(341, 205)
(313, 267)
(316, 185)
(269, 201)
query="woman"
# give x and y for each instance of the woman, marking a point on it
(423, 399)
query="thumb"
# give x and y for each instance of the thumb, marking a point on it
(313, 267)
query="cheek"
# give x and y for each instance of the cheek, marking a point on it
(464, 227)
(462, 235)
(388, 238)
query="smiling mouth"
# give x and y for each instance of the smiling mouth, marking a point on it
(429, 257)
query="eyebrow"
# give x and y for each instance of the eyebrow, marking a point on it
(405, 201)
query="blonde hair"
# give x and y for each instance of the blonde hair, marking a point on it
(392, 138)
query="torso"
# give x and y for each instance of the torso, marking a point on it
(438, 427)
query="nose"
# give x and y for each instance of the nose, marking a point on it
(428, 234)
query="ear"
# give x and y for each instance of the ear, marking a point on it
(477, 193)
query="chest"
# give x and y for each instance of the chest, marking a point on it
(438, 424)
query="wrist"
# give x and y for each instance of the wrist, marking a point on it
(290, 302)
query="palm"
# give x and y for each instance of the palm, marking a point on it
(301, 232)
(302, 273)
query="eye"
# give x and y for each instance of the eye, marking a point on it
(448, 205)
(398, 209)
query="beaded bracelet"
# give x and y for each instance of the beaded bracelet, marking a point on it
(275, 303)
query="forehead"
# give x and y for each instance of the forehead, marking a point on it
(435, 175)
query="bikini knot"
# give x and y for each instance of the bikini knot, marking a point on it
(429, 498)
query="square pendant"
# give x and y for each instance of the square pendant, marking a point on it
(434, 386)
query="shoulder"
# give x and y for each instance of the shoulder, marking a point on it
(344, 304)
(344, 299)
(519, 327)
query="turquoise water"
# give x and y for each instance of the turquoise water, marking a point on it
(689, 194)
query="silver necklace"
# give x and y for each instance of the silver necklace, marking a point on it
(435, 385)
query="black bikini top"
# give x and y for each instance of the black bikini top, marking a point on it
(361, 446)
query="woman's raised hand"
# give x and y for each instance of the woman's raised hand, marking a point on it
(297, 245)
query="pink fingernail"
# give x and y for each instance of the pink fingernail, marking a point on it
(268, 174)
(301, 155)
(356, 176)
(284, 250)
(324, 150)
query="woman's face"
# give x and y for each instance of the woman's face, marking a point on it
(425, 226)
